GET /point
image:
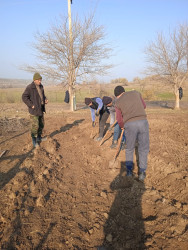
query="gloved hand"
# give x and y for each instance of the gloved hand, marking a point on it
(97, 113)
(93, 124)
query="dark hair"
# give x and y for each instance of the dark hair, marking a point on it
(106, 100)
(88, 101)
(118, 90)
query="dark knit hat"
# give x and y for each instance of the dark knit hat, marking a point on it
(118, 90)
(106, 100)
(88, 101)
(37, 76)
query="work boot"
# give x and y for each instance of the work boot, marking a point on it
(40, 138)
(129, 167)
(142, 176)
(114, 144)
(34, 141)
(129, 173)
(98, 138)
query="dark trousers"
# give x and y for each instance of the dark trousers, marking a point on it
(37, 125)
(102, 121)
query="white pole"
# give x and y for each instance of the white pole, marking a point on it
(72, 91)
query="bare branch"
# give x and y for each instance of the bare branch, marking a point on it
(168, 57)
(54, 53)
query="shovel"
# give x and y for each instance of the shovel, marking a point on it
(107, 133)
(94, 131)
(119, 146)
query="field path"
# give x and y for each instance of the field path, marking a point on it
(68, 194)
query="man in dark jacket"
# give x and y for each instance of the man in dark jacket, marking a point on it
(97, 109)
(130, 114)
(35, 100)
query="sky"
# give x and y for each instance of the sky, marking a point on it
(129, 24)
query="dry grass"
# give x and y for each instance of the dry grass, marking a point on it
(151, 91)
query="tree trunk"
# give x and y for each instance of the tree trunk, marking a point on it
(72, 98)
(177, 103)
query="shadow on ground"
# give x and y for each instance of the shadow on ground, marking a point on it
(124, 228)
(8, 176)
(66, 127)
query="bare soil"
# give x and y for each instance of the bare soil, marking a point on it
(69, 193)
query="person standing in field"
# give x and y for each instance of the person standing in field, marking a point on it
(35, 100)
(131, 115)
(98, 109)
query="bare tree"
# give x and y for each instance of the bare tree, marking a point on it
(54, 52)
(168, 58)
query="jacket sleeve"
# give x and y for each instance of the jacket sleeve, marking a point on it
(112, 116)
(119, 118)
(143, 102)
(45, 98)
(99, 101)
(92, 114)
(26, 98)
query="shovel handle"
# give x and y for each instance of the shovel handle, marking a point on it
(119, 144)
(105, 136)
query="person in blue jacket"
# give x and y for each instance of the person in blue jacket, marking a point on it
(98, 109)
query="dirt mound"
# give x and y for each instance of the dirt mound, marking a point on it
(68, 194)
(12, 125)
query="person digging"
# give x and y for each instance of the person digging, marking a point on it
(98, 109)
(110, 104)
(131, 115)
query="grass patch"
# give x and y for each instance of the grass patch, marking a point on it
(10, 95)
(165, 96)
(56, 94)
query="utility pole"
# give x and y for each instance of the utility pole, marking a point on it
(71, 62)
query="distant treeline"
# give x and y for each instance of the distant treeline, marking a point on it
(19, 83)
(13, 83)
